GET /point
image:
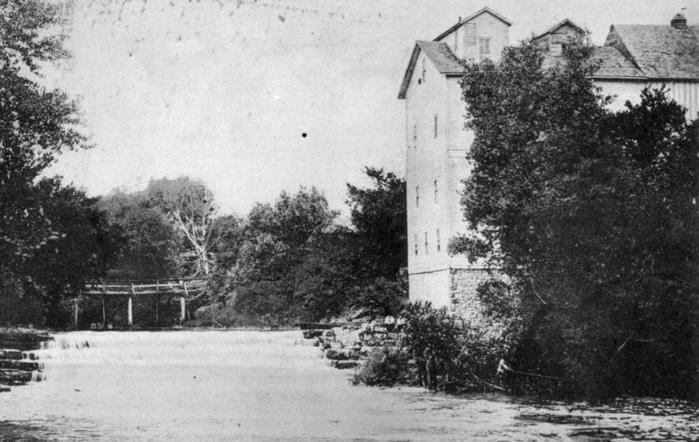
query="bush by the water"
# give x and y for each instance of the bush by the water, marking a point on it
(439, 351)
(386, 367)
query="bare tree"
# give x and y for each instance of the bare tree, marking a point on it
(189, 205)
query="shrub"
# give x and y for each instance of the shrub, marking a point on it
(385, 367)
(440, 352)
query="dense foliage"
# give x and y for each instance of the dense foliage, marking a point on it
(52, 238)
(379, 218)
(293, 261)
(592, 216)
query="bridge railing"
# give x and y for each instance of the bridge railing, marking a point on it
(186, 290)
(185, 287)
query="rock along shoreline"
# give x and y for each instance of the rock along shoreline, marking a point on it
(18, 363)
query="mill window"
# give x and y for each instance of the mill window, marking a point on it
(484, 45)
(417, 196)
(427, 248)
(439, 245)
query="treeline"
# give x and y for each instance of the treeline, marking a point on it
(292, 261)
(284, 262)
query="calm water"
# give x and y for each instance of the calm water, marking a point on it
(216, 385)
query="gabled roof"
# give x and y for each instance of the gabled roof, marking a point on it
(613, 64)
(659, 51)
(439, 54)
(559, 25)
(471, 17)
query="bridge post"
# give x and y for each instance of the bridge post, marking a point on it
(104, 310)
(76, 309)
(130, 312)
(157, 300)
(183, 307)
(130, 306)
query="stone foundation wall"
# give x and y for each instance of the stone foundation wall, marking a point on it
(465, 302)
(430, 286)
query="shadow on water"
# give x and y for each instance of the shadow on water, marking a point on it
(622, 419)
(17, 431)
(28, 431)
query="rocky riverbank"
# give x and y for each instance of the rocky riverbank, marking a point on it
(351, 345)
(624, 419)
(24, 339)
(18, 364)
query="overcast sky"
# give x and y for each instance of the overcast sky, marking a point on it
(224, 90)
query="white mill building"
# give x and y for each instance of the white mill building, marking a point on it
(437, 144)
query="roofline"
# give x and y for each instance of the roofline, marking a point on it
(471, 17)
(644, 79)
(558, 25)
(409, 72)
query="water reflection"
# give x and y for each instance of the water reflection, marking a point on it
(216, 385)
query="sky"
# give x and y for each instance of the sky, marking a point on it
(256, 97)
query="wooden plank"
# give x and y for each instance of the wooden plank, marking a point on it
(136, 293)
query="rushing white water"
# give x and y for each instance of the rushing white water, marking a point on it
(248, 385)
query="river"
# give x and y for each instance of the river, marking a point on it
(274, 386)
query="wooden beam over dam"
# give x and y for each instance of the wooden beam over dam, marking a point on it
(184, 289)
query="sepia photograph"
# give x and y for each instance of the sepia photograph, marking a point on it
(349, 220)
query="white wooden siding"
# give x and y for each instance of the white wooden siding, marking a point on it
(684, 93)
(425, 164)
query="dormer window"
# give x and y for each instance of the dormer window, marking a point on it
(484, 45)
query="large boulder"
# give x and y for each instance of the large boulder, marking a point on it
(310, 334)
(23, 364)
(14, 377)
(10, 354)
(342, 365)
(336, 355)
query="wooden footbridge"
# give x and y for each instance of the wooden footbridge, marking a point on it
(185, 289)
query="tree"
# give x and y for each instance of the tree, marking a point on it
(378, 214)
(189, 204)
(591, 215)
(35, 125)
(279, 240)
(326, 282)
(79, 250)
(149, 244)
